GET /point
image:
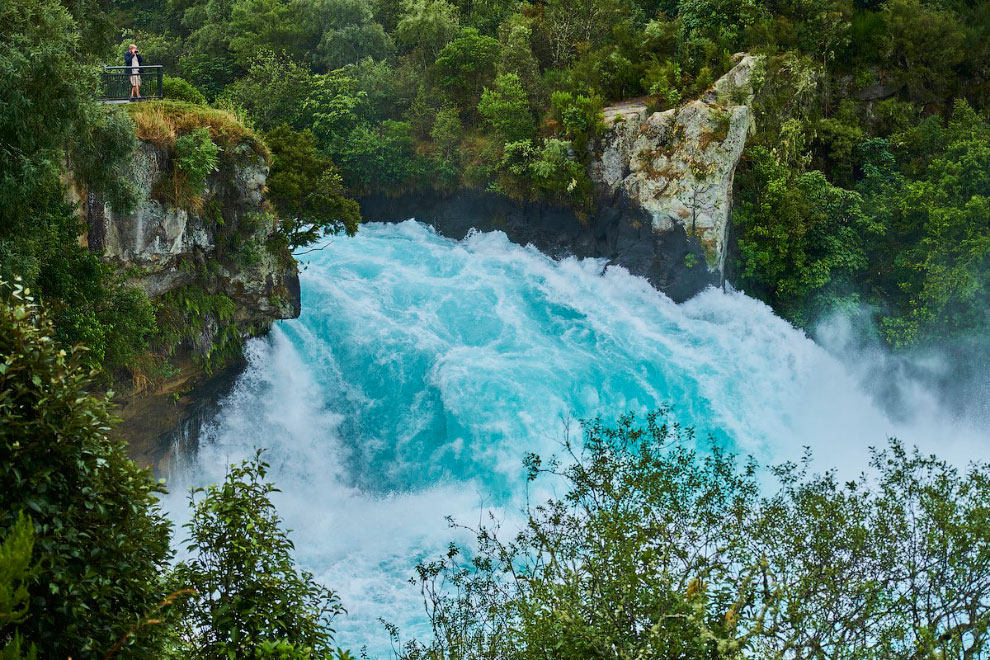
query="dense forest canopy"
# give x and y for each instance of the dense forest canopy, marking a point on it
(862, 183)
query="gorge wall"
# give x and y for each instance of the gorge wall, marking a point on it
(211, 266)
(663, 189)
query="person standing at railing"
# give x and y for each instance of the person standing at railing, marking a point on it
(133, 59)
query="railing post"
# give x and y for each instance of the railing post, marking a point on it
(116, 82)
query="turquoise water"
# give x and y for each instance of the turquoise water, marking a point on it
(422, 370)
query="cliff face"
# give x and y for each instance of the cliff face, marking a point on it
(214, 266)
(222, 248)
(677, 166)
(663, 187)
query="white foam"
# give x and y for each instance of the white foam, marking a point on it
(423, 369)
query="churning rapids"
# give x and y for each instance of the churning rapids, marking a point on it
(423, 369)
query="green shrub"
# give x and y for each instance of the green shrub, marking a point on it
(181, 90)
(658, 548)
(253, 602)
(102, 160)
(100, 539)
(506, 109)
(306, 189)
(579, 117)
(196, 157)
(664, 82)
(802, 240)
(16, 571)
(549, 169)
(90, 303)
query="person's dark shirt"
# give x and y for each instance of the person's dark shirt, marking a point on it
(128, 57)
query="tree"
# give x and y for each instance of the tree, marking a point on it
(506, 109)
(658, 550)
(306, 189)
(51, 118)
(387, 90)
(568, 23)
(349, 33)
(49, 106)
(721, 21)
(939, 222)
(379, 157)
(923, 46)
(465, 66)
(100, 539)
(275, 25)
(253, 602)
(334, 108)
(802, 239)
(272, 91)
(446, 133)
(426, 26)
(517, 57)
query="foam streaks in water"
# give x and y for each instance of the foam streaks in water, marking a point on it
(423, 369)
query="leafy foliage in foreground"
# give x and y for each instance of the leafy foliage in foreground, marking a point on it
(658, 551)
(16, 570)
(100, 540)
(252, 599)
(85, 573)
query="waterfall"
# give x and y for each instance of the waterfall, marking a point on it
(422, 369)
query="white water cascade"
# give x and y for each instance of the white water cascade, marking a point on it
(423, 369)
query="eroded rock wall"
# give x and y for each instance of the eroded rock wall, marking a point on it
(221, 246)
(677, 166)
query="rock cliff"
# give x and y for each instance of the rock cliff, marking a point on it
(221, 247)
(213, 265)
(677, 166)
(663, 185)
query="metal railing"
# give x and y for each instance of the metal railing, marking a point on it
(117, 82)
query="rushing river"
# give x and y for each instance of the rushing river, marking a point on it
(423, 369)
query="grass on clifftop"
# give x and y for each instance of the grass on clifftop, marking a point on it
(161, 122)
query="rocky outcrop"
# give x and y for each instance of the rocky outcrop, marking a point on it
(221, 247)
(663, 188)
(214, 251)
(677, 166)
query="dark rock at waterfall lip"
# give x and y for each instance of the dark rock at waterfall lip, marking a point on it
(291, 282)
(671, 261)
(164, 429)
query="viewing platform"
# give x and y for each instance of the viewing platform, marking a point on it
(116, 86)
